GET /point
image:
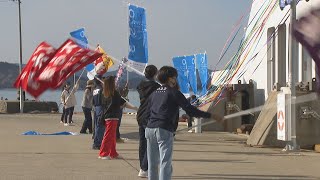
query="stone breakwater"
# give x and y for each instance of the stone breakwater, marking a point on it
(29, 106)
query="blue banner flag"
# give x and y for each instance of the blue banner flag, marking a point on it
(82, 40)
(202, 66)
(284, 3)
(192, 73)
(180, 64)
(138, 42)
(80, 37)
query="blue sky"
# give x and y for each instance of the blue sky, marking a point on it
(175, 27)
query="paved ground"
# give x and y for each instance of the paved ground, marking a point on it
(210, 155)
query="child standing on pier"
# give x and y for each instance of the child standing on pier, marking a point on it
(68, 99)
(112, 112)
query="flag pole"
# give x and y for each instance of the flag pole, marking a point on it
(21, 93)
(74, 78)
(128, 66)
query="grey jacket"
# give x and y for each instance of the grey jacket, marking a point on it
(87, 99)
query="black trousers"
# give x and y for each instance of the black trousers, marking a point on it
(190, 122)
(118, 127)
(87, 123)
(68, 113)
(143, 149)
(63, 113)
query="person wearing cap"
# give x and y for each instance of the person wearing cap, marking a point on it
(68, 99)
(87, 107)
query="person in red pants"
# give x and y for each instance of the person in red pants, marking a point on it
(112, 112)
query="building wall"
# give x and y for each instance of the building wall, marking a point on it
(276, 63)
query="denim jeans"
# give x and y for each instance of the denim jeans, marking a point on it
(87, 123)
(159, 150)
(63, 113)
(71, 114)
(68, 113)
(99, 127)
(143, 149)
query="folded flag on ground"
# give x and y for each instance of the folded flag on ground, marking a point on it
(34, 133)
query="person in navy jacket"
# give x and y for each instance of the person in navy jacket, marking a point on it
(145, 88)
(163, 110)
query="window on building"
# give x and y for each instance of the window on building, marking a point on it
(270, 58)
(282, 55)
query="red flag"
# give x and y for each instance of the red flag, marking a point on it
(22, 76)
(69, 58)
(37, 62)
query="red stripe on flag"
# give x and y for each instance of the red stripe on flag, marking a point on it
(27, 80)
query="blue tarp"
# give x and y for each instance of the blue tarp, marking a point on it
(35, 133)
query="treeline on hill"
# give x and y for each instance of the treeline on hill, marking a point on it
(9, 72)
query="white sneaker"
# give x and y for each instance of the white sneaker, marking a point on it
(104, 157)
(66, 124)
(190, 131)
(143, 173)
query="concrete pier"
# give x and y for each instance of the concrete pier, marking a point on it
(209, 155)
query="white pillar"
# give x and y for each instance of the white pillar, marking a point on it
(197, 122)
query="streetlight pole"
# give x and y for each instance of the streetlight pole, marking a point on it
(293, 78)
(21, 93)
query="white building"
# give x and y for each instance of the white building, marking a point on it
(272, 56)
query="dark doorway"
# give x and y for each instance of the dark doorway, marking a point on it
(245, 104)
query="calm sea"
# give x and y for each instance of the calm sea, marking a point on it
(11, 94)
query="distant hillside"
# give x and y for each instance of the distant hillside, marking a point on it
(9, 73)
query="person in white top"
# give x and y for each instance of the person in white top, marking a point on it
(68, 100)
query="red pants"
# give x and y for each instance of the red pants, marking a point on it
(108, 145)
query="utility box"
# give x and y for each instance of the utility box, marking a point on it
(284, 114)
(236, 97)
